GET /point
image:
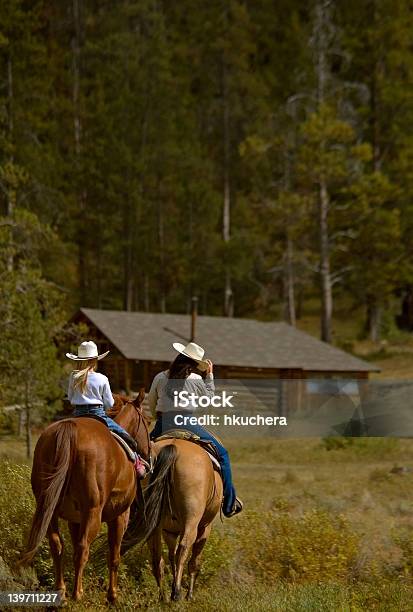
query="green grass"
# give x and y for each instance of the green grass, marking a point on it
(285, 598)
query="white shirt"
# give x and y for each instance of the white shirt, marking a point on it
(97, 391)
(159, 401)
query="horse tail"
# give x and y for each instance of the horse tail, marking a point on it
(157, 497)
(54, 486)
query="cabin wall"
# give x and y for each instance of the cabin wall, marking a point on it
(128, 375)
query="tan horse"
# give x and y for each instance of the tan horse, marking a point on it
(82, 475)
(182, 499)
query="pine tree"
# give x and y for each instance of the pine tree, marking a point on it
(30, 316)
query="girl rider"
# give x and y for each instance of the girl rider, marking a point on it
(89, 393)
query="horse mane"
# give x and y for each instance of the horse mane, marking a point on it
(120, 401)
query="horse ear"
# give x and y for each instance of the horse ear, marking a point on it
(140, 397)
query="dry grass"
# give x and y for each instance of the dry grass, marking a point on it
(321, 530)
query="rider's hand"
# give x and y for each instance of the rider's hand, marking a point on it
(210, 366)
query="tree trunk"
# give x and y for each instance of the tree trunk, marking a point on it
(128, 278)
(375, 103)
(10, 190)
(28, 423)
(129, 293)
(161, 242)
(28, 433)
(289, 289)
(299, 304)
(288, 272)
(374, 308)
(226, 212)
(326, 284)
(322, 23)
(226, 219)
(374, 321)
(321, 19)
(126, 273)
(99, 271)
(20, 423)
(77, 131)
(146, 293)
(405, 319)
(192, 273)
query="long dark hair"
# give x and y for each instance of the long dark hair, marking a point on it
(179, 370)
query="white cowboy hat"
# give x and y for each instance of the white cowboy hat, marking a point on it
(86, 350)
(194, 351)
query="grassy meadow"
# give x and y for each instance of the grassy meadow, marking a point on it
(322, 530)
(326, 526)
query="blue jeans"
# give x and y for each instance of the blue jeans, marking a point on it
(100, 412)
(166, 422)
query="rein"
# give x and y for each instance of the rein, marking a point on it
(148, 464)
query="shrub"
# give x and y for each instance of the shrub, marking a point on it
(7, 423)
(379, 475)
(290, 477)
(16, 508)
(216, 558)
(362, 446)
(336, 442)
(376, 447)
(315, 547)
(16, 511)
(403, 538)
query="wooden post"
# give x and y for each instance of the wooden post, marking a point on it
(194, 312)
(146, 381)
(290, 400)
(116, 364)
(127, 373)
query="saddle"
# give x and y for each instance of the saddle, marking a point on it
(130, 453)
(183, 434)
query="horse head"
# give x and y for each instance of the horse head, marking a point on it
(129, 414)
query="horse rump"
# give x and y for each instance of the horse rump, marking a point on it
(53, 485)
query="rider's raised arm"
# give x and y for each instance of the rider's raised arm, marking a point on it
(206, 386)
(107, 396)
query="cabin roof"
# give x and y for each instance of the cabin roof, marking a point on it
(228, 341)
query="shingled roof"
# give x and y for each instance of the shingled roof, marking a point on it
(229, 341)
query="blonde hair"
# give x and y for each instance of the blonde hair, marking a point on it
(80, 376)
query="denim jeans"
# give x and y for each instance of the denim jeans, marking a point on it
(166, 422)
(100, 412)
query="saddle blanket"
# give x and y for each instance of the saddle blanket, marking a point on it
(182, 434)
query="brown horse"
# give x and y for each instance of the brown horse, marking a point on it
(82, 475)
(182, 499)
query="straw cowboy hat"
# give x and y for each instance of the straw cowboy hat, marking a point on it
(86, 350)
(194, 351)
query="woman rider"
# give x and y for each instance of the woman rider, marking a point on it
(182, 376)
(89, 393)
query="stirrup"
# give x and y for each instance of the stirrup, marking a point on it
(236, 508)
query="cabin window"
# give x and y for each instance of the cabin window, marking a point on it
(332, 387)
